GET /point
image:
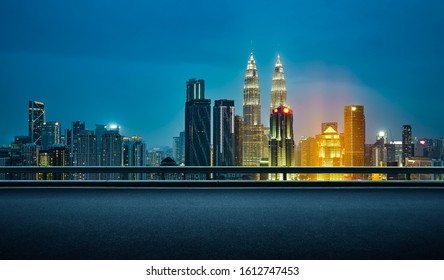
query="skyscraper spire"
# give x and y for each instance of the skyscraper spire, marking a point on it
(278, 87)
(253, 129)
(281, 141)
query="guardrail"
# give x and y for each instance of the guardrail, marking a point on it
(215, 182)
(223, 169)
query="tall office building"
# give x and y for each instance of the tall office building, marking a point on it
(197, 125)
(252, 129)
(71, 139)
(223, 133)
(36, 119)
(86, 153)
(281, 139)
(278, 87)
(354, 137)
(51, 134)
(111, 153)
(407, 143)
(238, 140)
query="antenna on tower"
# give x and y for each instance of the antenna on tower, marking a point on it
(251, 46)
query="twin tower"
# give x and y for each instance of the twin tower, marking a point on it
(276, 149)
(238, 141)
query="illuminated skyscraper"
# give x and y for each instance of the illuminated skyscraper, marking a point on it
(223, 133)
(281, 139)
(86, 153)
(407, 143)
(329, 150)
(278, 87)
(253, 129)
(71, 139)
(51, 132)
(197, 125)
(36, 119)
(111, 153)
(354, 136)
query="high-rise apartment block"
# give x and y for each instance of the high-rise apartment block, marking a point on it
(71, 139)
(111, 153)
(407, 143)
(134, 154)
(86, 153)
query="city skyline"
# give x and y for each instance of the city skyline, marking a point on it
(335, 54)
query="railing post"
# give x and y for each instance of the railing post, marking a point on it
(285, 176)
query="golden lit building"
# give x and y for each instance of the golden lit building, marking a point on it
(354, 137)
(329, 150)
(309, 150)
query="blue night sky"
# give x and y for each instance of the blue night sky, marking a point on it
(127, 62)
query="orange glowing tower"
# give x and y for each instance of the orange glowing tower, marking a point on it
(354, 136)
